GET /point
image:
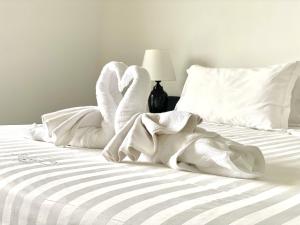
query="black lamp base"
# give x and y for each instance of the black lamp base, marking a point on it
(158, 99)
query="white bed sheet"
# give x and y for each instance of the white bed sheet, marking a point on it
(84, 189)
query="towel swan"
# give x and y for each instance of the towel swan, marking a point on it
(108, 94)
(136, 86)
(121, 92)
(120, 102)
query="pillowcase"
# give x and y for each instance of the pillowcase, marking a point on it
(257, 98)
(294, 119)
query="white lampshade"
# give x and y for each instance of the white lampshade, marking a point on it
(158, 64)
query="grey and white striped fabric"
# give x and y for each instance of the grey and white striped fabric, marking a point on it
(45, 185)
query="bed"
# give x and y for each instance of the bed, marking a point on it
(46, 185)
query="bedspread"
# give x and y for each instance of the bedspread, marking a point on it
(45, 185)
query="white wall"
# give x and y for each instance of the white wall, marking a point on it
(226, 33)
(51, 51)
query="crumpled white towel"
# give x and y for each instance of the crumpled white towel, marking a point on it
(174, 139)
(121, 93)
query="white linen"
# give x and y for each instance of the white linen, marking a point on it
(173, 139)
(258, 98)
(121, 92)
(83, 189)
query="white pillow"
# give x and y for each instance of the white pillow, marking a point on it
(258, 97)
(294, 119)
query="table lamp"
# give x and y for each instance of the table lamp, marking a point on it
(159, 66)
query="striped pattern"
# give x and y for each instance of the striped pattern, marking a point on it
(83, 189)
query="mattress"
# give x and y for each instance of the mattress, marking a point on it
(45, 185)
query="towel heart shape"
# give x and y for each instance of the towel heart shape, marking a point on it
(121, 93)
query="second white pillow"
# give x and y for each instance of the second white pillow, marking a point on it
(258, 98)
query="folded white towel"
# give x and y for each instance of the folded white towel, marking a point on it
(174, 139)
(121, 93)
